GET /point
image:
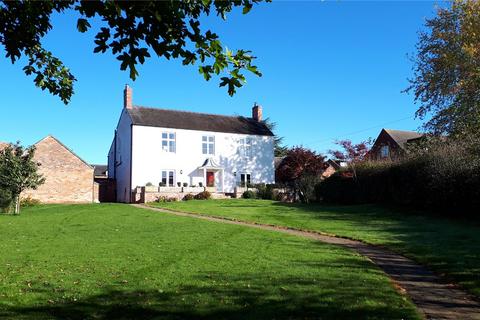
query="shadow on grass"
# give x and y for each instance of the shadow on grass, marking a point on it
(246, 297)
(378, 210)
(447, 245)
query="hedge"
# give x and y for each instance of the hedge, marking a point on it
(446, 180)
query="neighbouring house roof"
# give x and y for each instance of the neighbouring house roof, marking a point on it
(175, 119)
(336, 164)
(100, 170)
(401, 137)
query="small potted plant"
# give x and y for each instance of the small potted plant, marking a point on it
(194, 188)
(179, 184)
(161, 186)
(149, 187)
(185, 184)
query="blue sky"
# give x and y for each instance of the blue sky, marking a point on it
(332, 70)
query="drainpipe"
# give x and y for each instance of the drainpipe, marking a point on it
(115, 164)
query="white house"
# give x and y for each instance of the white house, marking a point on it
(171, 147)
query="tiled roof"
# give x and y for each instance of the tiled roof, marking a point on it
(175, 119)
(401, 137)
(100, 169)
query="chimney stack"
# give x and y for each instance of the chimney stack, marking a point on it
(127, 97)
(257, 112)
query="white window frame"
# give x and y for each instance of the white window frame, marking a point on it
(208, 141)
(245, 179)
(166, 178)
(245, 147)
(169, 143)
(384, 151)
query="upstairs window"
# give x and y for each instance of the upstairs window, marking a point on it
(384, 152)
(168, 141)
(245, 147)
(208, 144)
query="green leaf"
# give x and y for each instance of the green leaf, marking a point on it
(254, 70)
(83, 25)
(247, 8)
(206, 72)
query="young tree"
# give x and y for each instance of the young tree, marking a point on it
(132, 31)
(18, 171)
(446, 79)
(301, 169)
(351, 153)
(279, 149)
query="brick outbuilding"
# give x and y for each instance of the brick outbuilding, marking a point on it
(392, 144)
(68, 178)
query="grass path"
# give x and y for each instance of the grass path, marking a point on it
(120, 262)
(450, 248)
(435, 298)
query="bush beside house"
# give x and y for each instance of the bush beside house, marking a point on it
(299, 171)
(204, 195)
(249, 194)
(262, 191)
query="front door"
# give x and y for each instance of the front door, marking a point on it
(210, 179)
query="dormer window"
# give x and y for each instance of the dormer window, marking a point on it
(168, 142)
(385, 151)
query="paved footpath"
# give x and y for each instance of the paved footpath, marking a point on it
(433, 296)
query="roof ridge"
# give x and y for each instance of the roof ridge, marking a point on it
(190, 120)
(188, 111)
(402, 130)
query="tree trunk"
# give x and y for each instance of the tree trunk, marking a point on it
(17, 205)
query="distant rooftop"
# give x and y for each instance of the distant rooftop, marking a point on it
(100, 169)
(401, 136)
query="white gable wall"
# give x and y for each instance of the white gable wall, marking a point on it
(148, 158)
(110, 158)
(119, 163)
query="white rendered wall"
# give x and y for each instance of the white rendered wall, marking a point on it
(110, 158)
(122, 169)
(148, 158)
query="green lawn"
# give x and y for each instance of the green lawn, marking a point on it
(447, 246)
(120, 262)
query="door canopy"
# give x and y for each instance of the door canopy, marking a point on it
(210, 164)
